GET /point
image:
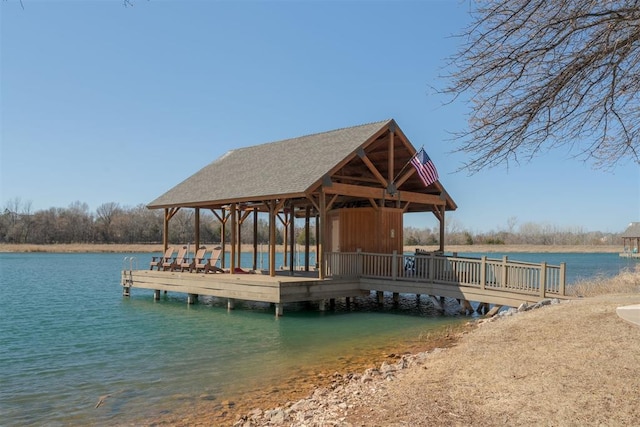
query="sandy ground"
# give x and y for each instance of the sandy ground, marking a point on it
(157, 248)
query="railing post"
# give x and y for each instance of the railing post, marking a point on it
(359, 264)
(543, 279)
(503, 281)
(394, 265)
(431, 268)
(483, 271)
(563, 272)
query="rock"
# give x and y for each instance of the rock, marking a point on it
(276, 416)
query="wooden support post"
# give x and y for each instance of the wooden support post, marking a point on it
(317, 227)
(380, 297)
(396, 297)
(504, 281)
(272, 238)
(165, 230)
(563, 278)
(234, 237)
(483, 307)
(307, 239)
(126, 291)
(197, 229)
(322, 305)
(483, 271)
(156, 295)
(332, 303)
(466, 307)
(321, 230)
(279, 309)
(231, 304)
(292, 236)
(347, 301)
(192, 298)
(442, 228)
(255, 239)
(223, 239)
(394, 265)
(543, 279)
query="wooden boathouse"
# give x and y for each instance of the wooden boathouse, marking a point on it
(354, 184)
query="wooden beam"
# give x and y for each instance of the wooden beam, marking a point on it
(390, 166)
(371, 192)
(405, 177)
(331, 202)
(372, 167)
(313, 202)
(356, 178)
(171, 212)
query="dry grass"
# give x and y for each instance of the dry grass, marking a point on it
(628, 281)
(569, 364)
(574, 363)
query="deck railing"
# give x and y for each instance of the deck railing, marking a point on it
(485, 273)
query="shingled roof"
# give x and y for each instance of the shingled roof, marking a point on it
(632, 231)
(285, 167)
(294, 168)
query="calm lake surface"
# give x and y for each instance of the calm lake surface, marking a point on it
(68, 338)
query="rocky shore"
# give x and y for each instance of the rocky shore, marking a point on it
(574, 363)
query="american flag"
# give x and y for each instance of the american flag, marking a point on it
(425, 168)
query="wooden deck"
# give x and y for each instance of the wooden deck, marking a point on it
(629, 254)
(489, 281)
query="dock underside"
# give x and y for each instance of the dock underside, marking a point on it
(299, 287)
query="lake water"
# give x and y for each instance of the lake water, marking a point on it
(68, 337)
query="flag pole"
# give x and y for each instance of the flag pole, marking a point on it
(408, 161)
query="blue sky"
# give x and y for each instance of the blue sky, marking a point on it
(104, 103)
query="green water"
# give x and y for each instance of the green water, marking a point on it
(68, 337)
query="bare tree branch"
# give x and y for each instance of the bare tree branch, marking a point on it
(544, 75)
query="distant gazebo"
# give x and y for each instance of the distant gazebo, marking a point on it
(631, 240)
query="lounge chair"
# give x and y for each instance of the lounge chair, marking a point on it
(177, 261)
(159, 261)
(209, 264)
(190, 264)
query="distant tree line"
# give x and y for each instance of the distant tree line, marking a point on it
(113, 223)
(528, 233)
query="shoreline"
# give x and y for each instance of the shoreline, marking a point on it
(230, 408)
(157, 248)
(457, 379)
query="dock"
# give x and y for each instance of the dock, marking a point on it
(489, 282)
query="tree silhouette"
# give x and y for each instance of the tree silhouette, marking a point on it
(548, 74)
